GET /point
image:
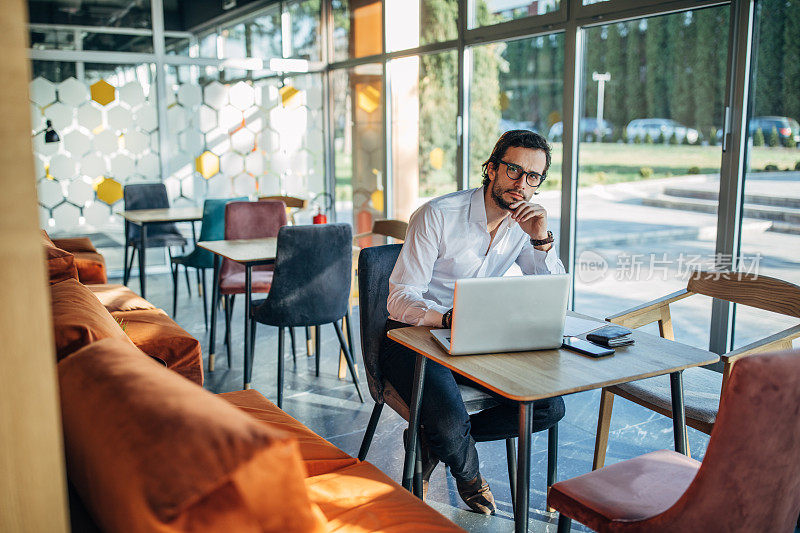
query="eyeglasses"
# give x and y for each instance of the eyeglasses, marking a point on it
(515, 172)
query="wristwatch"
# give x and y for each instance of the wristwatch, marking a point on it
(542, 242)
(447, 319)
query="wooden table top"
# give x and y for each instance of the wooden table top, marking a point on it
(243, 250)
(169, 214)
(528, 376)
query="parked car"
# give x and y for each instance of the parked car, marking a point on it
(507, 125)
(656, 126)
(590, 129)
(786, 127)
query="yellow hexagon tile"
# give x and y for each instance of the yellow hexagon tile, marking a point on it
(207, 164)
(102, 92)
(377, 200)
(109, 191)
(368, 98)
(289, 96)
(437, 158)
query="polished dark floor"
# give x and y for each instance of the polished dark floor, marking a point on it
(330, 407)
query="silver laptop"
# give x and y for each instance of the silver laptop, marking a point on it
(508, 314)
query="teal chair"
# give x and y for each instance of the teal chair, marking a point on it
(212, 229)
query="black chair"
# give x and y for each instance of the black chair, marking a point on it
(310, 287)
(490, 420)
(149, 196)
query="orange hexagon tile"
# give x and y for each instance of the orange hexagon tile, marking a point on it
(109, 191)
(207, 164)
(102, 92)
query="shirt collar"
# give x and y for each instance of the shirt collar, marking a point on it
(477, 207)
(477, 210)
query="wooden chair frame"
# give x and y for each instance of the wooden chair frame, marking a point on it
(761, 292)
(293, 205)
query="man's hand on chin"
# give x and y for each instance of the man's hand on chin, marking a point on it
(532, 218)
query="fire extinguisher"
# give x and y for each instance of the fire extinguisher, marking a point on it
(319, 211)
(320, 217)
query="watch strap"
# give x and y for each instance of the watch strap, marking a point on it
(541, 242)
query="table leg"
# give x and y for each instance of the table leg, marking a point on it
(413, 423)
(125, 272)
(214, 297)
(678, 412)
(142, 251)
(521, 502)
(248, 358)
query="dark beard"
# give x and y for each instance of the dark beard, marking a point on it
(497, 196)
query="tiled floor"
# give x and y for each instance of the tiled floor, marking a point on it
(331, 408)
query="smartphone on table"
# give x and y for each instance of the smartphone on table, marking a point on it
(585, 347)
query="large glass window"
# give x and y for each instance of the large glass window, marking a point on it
(357, 28)
(485, 12)
(421, 22)
(770, 236)
(649, 158)
(517, 85)
(358, 147)
(304, 17)
(424, 108)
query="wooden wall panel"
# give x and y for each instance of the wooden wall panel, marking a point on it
(32, 480)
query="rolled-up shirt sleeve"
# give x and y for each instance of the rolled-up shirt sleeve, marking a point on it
(412, 272)
(533, 261)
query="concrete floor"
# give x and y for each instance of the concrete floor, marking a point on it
(613, 224)
(330, 407)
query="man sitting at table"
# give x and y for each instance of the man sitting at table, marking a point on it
(466, 234)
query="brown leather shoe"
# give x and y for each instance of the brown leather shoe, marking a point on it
(477, 496)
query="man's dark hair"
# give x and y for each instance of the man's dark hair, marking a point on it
(516, 138)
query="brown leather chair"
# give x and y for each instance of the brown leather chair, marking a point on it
(749, 479)
(702, 386)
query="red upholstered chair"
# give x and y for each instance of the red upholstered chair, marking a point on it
(749, 479)
(247, 220)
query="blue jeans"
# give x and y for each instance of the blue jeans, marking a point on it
(443, 416)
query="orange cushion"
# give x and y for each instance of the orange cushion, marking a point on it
(91, 267)
(90, 264)
(60, 263)
(319, 455)
(79, 318)
(158, 335)
(149, 451)
(362, 498)
(119, 297)
(75, 244)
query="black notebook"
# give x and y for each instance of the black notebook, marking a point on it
(611, 336)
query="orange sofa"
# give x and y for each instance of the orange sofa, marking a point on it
(150, 329)
(147, 450)
(90, 264)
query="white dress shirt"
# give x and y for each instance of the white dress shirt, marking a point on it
(447, 240)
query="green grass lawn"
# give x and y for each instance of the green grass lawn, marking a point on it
(615, 163)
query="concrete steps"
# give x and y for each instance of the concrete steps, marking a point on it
(772, 200)
(783, 212)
